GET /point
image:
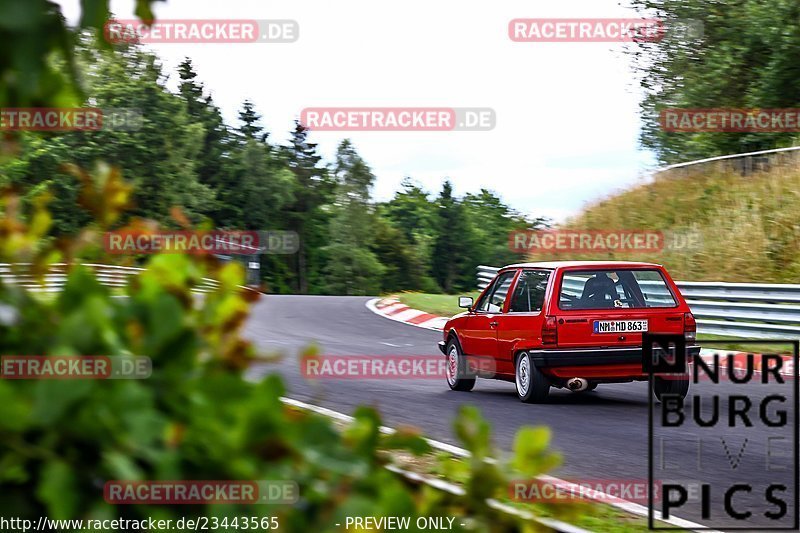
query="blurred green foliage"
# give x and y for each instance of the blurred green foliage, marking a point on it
(718, 54)
(196, 417)
(38, 69)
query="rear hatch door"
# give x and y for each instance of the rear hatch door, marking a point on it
(608, 328)
(613, 307)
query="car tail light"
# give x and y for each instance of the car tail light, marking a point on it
(549, 332)
(689, 327)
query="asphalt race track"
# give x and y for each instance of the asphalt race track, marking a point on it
(602, 434)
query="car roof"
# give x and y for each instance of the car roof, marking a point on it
(552, 265)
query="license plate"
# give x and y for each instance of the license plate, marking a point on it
(620, 326)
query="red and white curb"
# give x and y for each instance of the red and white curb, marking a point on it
(392, 308)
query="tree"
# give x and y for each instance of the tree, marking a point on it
(211, 161)
(412, 213)
(492, 221)
(251, 123)
(740, 55)
(454, 262)
(37, 61)
(403, 270)
(352, 268)
(312, 190)
(254, 184)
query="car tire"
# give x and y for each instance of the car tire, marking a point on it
(673, 386)
(456, 368)
(532, 386)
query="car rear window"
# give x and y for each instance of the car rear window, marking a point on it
(615, 288)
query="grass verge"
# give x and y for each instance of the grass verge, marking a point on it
(589, 515)
(592, 516)
(436, 304)
(739, 345)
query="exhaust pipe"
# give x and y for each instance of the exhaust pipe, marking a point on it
(577, 384)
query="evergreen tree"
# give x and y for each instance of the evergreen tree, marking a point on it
(454, 262)
(414, 214)
(312, 190)
(211, 161)
(352, 268)
(492, 221)
(251, 123)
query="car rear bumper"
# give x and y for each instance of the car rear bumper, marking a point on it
(594, 356)
(443, 347)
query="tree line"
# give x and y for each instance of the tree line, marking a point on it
(239, 177)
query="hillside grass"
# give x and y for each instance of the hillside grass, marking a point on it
(749, 226)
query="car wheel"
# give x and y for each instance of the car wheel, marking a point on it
(457, 368)
(532, 385)
(673, 386)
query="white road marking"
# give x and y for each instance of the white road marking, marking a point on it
(446, 486)
(625, 505)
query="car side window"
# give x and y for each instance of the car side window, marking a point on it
(496, 297)
(481, 303)
(529, 294)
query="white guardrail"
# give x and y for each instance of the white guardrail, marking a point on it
(56, 276)
(747, 162)
(755, 310)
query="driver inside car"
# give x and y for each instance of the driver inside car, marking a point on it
(598, 287)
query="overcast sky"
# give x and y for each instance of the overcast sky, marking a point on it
(567, 113)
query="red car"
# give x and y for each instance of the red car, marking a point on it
(567, 324)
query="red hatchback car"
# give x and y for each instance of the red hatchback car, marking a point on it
(566, 324)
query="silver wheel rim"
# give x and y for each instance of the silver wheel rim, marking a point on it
(452, 365)
(523, 375)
